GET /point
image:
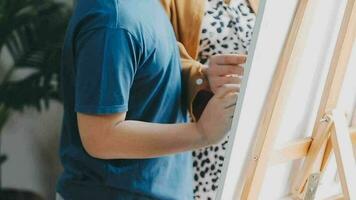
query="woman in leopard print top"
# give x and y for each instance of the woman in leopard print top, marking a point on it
(226, 29)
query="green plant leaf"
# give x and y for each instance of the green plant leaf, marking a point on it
(4, 114)
(33, 31)
(3, 158)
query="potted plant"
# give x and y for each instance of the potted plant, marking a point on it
(32, 31)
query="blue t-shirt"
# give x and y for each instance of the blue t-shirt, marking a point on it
(121, 56)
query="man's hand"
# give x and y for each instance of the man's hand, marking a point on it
(216, 119)
(224, 69)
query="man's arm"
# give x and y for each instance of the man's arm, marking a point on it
(111, 137)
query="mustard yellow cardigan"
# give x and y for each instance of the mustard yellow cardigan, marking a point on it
(186, 17)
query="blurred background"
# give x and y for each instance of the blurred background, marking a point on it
(31, 35)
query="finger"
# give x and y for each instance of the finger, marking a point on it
(228, 59)
(220, 81)
(230, 80)
(226, 89)
(227, 80)
(223, 70)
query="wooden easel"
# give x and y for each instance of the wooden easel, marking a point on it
(330, 132)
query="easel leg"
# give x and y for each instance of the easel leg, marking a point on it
(345, 159)
(273, 109)
(326, 157)
(314, 152)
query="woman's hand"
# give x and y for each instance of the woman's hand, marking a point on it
(224, 69)
(216, 119)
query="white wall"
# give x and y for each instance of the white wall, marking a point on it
(30, 140)
(300, 111)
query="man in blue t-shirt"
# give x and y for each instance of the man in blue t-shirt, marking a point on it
(124, 132)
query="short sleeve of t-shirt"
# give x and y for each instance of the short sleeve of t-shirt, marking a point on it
(106, 60)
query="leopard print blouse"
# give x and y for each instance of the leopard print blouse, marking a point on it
(226, 29)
